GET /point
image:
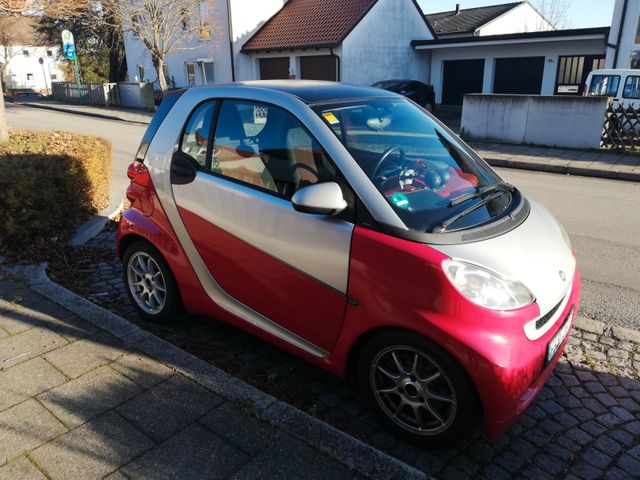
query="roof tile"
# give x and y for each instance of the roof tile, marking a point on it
(468, 20)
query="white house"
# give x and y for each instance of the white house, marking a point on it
(25, 65)
(623, 49)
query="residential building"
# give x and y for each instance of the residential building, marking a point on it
(25, 64)
(623, 49)
(508, 48)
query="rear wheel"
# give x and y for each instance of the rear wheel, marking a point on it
(419, 391)
(150, 283)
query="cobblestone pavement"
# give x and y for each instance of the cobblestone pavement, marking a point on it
(584, 424)
(77, 403)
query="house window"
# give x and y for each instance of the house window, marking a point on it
(635, 60)
(49, 53)
(191, 73)
(54, 76)
(207, 73)
(29, 76)
(25, 53)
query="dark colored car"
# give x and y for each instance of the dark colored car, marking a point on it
(419, 92)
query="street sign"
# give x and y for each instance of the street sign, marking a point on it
(68, 45)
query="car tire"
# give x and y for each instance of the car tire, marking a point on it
(431, 402)
(150, 284)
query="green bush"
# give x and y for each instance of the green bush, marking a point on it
(50, 182)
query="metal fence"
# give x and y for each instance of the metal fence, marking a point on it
(621, 128)
(105, 94)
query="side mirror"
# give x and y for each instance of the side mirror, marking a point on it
(320, 199)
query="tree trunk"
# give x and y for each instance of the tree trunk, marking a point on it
(158, 63)
(4, 126)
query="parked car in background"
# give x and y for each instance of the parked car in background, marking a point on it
(421, 93)
(25, 96)
(621, 85)
(345, 225)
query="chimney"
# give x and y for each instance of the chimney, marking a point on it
(457, 8)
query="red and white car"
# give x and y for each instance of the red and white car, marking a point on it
(349, 227)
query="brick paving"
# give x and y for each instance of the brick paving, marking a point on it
(78, 403)
(584, 424)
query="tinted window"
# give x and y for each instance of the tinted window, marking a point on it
(170, 99)
(604, 85)
(196, 134)
(632, 87)
(266, 147)
(416, 165)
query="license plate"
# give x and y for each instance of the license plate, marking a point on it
(558, 339)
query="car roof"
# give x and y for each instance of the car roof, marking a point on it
(615, 71)
(316, 91)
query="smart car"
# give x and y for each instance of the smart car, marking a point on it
(348, 226)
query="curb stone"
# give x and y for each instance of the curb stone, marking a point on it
(357, 455)
(560, 169)
(93, 227)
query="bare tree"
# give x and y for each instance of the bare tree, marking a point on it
(556, 12)
(13, 8)
(166, 26)
(8, 41)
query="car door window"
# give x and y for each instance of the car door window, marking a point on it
(632, 87)
(266, 147)
(196, 134)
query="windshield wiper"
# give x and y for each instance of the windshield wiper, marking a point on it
(444, 225)
(482, 192)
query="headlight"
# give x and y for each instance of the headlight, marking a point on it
(487, 288)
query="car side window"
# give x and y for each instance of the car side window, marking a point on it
(632, 87)
(266, 147)
(196, 134)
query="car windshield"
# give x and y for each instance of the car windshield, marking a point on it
(427, 176)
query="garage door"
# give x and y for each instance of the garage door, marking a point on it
(519, 75)
(460, 77)
(319, 67)
(274, 68)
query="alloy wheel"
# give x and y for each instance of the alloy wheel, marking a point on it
(413, 390)
(146, 283)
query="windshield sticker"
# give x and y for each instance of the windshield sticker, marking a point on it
(331, 118)
(400, 200)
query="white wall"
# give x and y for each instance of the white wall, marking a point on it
(379, 47)
(550, 50)
(523, 18)
(629, 28)
(572, 122)
(20, 68)
(247, 16)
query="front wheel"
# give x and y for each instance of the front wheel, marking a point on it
(150, 284)
(419, 391)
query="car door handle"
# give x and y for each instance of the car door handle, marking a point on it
(183, 169)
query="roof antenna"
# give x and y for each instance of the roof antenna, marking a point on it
(457, 8)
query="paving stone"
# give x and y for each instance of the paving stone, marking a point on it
(142, 370)
(594, 387)
(169, 406)
(510, 461)
(623, 414)
(586, 471)
(20, 469)
(533, 472)
(27, 380)
(25, 427)
(629, 464)
(240, 429)
(494, 472)
(608, 445)
(616, 473)
(87, 396)
(579, 436)
(635, 452)
(27, 345)
(86, 355)
(596, 458)
(195, 450)
(633, 427)
(92, 450)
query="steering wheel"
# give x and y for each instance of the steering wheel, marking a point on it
(385, 155)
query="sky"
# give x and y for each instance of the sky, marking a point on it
(582, 13)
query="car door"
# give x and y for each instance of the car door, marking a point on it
(290, 267)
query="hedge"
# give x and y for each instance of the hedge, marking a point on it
(50, 182)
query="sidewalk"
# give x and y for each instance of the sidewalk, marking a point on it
(109, 113)
(82, 402)
(601, 164)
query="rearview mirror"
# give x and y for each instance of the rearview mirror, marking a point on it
(320, 199)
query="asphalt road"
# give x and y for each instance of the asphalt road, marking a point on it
(601, 216)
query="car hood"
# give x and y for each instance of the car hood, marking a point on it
(535, 253)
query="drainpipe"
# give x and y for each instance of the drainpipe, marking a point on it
(233, 68)
(624, 12)
(337, 61)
